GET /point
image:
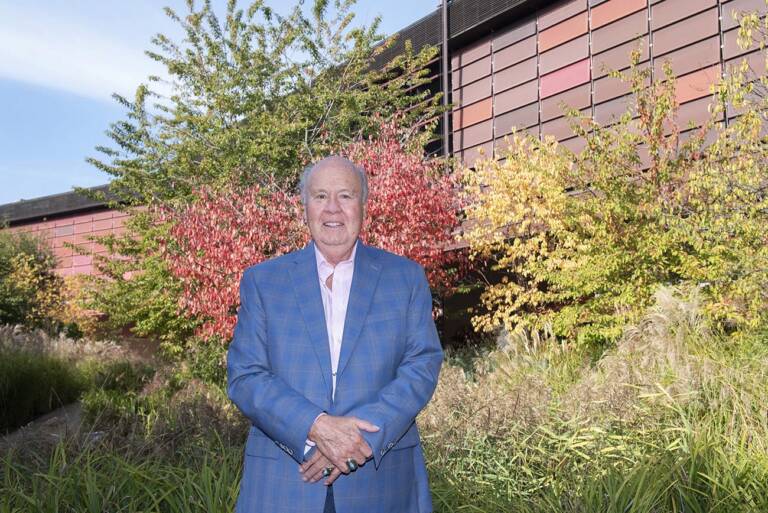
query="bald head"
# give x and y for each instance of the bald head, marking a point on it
(333, 161)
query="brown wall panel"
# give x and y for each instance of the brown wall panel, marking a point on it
(731, 46)
(475, 113)
(671, 11)
(514, 35)
(575, 144)
(474, 71)
(618, 58)
(559, 128)
(697, 84)
(578, 98)
(626, 29)
(516, 97)
(471, 155)
(755, 60)
(564, 55)
(562, 32)
(474, 92)
(690, 58)
(685, 32)
(515, 75)
(695, 112)
(521, 118)
(565, 78)
(525, 49)
(609, 112)
(613, 10)
(560, 12)
(608, 88)
(471, 54)
(730, 8)
(474, 135)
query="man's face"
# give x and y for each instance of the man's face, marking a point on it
(334, 209)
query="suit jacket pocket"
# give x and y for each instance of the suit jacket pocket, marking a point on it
(262, 447)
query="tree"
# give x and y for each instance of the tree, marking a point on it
(412, 210)
(253, 97)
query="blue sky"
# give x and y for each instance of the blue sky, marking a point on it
(60, 62)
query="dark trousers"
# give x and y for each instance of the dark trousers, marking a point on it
(330, 506)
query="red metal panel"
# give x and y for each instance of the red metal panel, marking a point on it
(690, 58)
(475, 113)
(521, 118)
(613, 10)
(739, 6)
(626, 29)
(609, 112)
(474, 71)
(575, 144)
(669, 12)
(472, 93)
(518, 33)
(731, 46)
(471, 53)
(471, 155)
(515, 97)
(565, 78)
(525, 49)
(618, 58)
(687, 31)
(697, 84)
(515, 75)
(577, 98)
(562, 32)
(561, 12)
(474, 135)
(564, 55)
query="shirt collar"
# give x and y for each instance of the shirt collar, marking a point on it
(324, 268)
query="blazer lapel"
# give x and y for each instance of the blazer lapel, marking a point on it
(306, 286)
(364, 281)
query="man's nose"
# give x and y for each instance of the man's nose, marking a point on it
(333, 204)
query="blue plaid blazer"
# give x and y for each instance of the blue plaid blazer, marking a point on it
(279, 376)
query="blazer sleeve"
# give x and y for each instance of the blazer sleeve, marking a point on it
(270, 403)
(401, 400)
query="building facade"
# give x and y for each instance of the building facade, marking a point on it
(513, 63)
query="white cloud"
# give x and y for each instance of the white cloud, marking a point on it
(54, 50)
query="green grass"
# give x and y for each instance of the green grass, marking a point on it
(672, 419)
(34, 384)
(95, 479)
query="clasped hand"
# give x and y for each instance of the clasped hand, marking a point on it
(338, 439)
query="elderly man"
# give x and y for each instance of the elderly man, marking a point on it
(334, 354)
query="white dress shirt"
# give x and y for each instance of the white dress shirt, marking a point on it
(335, 300)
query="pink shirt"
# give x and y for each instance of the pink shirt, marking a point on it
(335, 302)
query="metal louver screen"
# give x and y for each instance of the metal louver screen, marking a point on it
(463, 15)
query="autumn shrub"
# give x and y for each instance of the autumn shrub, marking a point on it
(29, 289)
(582, 241)
(412, 210)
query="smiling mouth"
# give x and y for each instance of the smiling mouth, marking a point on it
(333, 225)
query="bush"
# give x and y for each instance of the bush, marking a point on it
(583, 241)
(29, 289)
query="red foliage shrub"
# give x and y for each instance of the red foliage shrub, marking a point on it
(412, 210)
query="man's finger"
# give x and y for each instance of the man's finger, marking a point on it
(307, 464)
(334, 475)
(365, 425)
